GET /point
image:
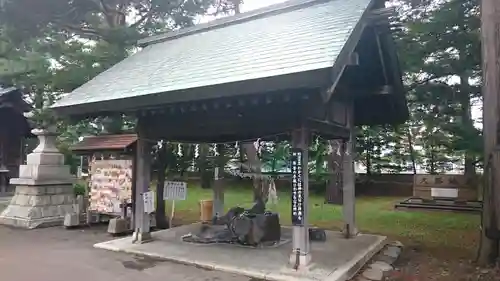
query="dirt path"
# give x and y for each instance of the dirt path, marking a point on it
(56, 254)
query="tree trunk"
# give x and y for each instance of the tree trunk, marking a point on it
(468, 124)
(218, 187)
(161, 218)
(335, 159)
(432, 168)
(490, 35)
(255, 165)
(205, 175)
(368, 160)
(412, 151)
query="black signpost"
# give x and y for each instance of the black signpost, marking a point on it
(297, 188)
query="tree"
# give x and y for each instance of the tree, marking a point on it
(85, 37)
(440, 50)
(74, 41)
(113, 21)
(16, 58)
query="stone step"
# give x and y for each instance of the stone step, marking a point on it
(381, 264)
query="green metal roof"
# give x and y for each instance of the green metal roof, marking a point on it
(293, 37)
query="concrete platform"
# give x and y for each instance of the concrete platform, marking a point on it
(337, 259)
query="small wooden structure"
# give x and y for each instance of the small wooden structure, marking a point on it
(110, 168)
(14, 128)
(289, 71)
(443, 192)
(103, 147)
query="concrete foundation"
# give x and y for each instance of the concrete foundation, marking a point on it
(44, 190)
(118, 226)
(337, 259)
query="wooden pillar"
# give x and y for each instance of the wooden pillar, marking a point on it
(490, 35)
(349, 181)
(143, 180)
(161, 219)
(218, 188)
(301, 255)
(134, 188)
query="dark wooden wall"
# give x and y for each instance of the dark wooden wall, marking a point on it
(13, 129)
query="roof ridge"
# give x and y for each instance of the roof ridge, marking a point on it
(279, 8)
(110, 135)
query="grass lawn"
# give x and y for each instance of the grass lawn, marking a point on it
(435, 231)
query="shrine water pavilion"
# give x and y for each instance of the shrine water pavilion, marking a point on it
(294, 70)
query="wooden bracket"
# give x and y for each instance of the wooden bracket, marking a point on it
(353, 59)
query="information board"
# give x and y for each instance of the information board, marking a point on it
(110, 185)
(175, 190)
(297, 188)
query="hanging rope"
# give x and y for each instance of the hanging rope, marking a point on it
(179, 150)
(196, 151)
(237, 150)
(216, 151)
(228, 142)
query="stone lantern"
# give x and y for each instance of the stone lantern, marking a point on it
(44, 189)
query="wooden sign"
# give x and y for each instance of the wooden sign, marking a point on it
(297, 188)
(444, 186)
(175, 190)
(148, 199)
(110, 185)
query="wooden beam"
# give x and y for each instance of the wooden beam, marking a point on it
(362, 93)
(229, 103)
(381, 57)
(328, 130)
(326, 95)
(234, 130)
(353, 59)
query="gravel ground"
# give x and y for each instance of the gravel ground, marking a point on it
(57, 254)
(417, 264)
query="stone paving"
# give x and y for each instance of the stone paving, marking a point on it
(381, 266)
(56, 254)
(336, 259)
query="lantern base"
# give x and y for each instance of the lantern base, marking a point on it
(39, 206)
